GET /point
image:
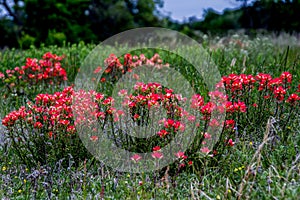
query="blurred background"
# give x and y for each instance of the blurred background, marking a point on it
(57, 22)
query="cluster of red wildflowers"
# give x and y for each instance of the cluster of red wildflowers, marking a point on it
(42, 125)
(210, 116)
(50, 112)
(153, 95)
(219, 103)
(115, 67)
(54, 114)
(238, 85)
(92, 108)
(170, 126)
(46, 70)
(183, 159)
(262, 92)
(50, 120)
(235, 107)
(132, 61)
(156, 154)
(293, 99)
(236, 100)
(10, 119)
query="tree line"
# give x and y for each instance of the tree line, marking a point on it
(33, 22)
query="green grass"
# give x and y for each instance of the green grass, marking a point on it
(254, 169)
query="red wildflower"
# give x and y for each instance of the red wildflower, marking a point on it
(50, 134)
(293, 99)
(214, 123)
(274, 83)
(230, 123)
(157, 155)
(263, 80)
(127, 59)
(136, 76)
(38, 125)
(240, 106)
(169, 123)
(156, 148)
(230, 142)
(279, 93)
(197, 101)
(71, 129)
(122, 93)
(229, 107)
(136, 116)
(207, 135)
(181, 165)
(97, 70)
(286, 77)
(205, 150)
(207, 109)
(136, 157)
(162, 133)
(191, 118)
(94, 138)
(180, 154)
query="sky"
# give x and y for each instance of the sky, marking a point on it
(183, 9)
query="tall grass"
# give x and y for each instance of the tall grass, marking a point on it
(254, 169)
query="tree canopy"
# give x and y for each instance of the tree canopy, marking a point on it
(33, 22)
(54, 21)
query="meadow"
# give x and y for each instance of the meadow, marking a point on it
(256, 155)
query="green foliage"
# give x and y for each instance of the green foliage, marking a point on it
(53, 22)
(56, 38)
(8, 33)
(52, 17)
(26, 41)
